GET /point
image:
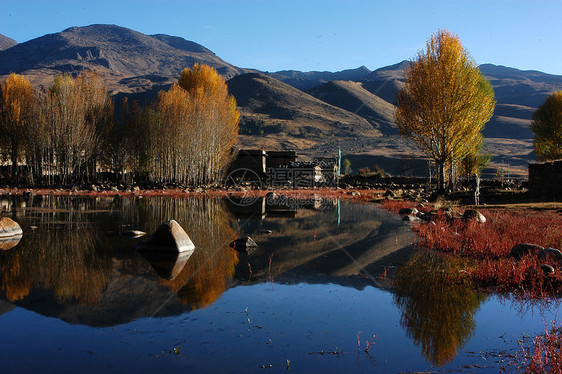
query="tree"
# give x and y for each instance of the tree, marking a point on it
(445, 102)
(547, 126)
(17, 104)
(346, 167)
(78, 118)
(195, 129)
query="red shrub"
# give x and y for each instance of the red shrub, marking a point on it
(547, 356)
(394, 206)
(484, 249)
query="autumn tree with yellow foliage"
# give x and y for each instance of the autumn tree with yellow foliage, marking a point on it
(195, 129)
(445, 102)
(17, 109)
(78, 115)
(547, 127)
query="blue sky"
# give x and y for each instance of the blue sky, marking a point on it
(321, 35)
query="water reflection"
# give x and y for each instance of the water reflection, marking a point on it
(205, 276)
(436, 316)
(76, 256)
(62, 258)
(9, 243)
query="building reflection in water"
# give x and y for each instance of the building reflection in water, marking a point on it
(438, 317)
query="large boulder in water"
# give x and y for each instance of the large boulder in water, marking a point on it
(9, 228)
(168, 237)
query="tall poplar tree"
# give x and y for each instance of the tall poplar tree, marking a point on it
(195, 128)
(445, 102)
(78, 114)
(17, 105)
(547, 126)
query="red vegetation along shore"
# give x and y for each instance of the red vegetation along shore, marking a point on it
(479, 253)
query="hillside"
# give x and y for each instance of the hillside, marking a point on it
(306, 80)
(6, 42)
(128, 61)
(276, 115)
(352, 97)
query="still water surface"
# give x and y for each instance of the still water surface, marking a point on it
(75, 296)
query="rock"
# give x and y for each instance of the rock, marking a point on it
(29, 194)
(471, 214)
(9, 228)
(266, 231)
(552, 253)
(524, 249)
(547, 269)
(168, 237)
(389, 193)
(133, 233)
(411, 219)
(408, 211)
(428, 217)
(244, 244)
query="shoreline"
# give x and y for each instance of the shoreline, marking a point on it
(351, 194)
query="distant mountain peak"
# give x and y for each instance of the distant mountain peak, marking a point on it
(6, 42)
(128, 60)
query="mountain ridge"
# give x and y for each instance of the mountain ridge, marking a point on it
(6, 42)
(114, 52)
(286, 109)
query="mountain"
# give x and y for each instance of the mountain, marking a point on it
(313, 112)
(310, 79)
(6, 42)
(353, 97)
(286, 117)
(127, 60)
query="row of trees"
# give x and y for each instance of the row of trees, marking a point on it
(69, 133)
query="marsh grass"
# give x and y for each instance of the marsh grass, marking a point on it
(547, 351)
(479, 253)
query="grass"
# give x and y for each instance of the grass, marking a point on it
(480, 252)
(547, 351)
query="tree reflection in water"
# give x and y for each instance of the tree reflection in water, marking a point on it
(437, 316)
(72, 254)
(62, 257)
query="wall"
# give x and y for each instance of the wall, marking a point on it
(545, 180)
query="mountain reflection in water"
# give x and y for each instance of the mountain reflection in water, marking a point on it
(77, 267)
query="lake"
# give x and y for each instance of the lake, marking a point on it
(76, 296)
